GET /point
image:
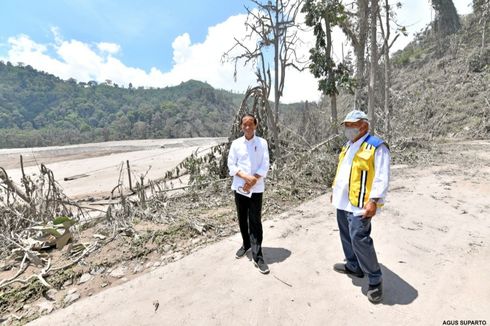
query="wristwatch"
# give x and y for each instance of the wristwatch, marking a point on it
(374, 200)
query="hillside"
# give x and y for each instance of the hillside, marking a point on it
(39, 109)
(441, 87)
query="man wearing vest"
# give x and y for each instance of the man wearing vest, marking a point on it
(359, 189)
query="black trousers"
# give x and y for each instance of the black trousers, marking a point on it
(249, 211)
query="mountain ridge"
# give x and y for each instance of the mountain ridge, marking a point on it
(40, 109)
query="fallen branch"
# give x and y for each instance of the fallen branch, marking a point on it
(19, 272)
(277, 278)
(88, 250)
(39, 276)
(322, 143)
(5, 178)
(74, 177)
(30, 254)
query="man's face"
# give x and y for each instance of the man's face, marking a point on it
(248, 127)
(361, 125)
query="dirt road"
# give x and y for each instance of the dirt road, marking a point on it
(432, 241)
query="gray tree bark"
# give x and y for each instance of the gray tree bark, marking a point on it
(360, 50)
(357, 32)
(374, 65)
(277, 91)
(387, 107)
(333, 97)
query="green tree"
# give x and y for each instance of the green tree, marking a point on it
(323, 16)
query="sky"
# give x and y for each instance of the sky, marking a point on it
(156, 43)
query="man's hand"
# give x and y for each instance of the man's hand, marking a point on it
(249, 179)
(369, 209)
(246, 187)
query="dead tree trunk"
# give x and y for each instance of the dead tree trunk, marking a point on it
(374, 65)
(357, 31)
(360, 50)
(485, 13)
(331, 81)
(333, 105)
(277, 44)
(387, 107)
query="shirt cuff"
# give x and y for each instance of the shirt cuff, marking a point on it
(262, 173)
(376, 195)
(233, 171)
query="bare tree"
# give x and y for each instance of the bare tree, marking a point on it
(374, 64)
(385, 51)
(355, 27)
(481, 8)
(273, 25)
(282, 18)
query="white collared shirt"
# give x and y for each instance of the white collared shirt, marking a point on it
(251, 157)
(340, 191)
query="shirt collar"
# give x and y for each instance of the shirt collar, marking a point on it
(360, 140)
(252, 140)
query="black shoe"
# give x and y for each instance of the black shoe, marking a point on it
(342, 268)
(241, 252)
(375, 293)
(262, 266)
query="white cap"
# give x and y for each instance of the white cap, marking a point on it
(354, 116)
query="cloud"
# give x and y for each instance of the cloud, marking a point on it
(181, 47)
(24, 50)
(201, 61)
(111, 48)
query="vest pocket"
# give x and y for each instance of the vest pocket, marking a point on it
(363, 163)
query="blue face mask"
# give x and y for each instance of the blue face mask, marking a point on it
(351, 133)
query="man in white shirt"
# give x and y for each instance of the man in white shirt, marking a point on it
(359, 190)
(248, 163)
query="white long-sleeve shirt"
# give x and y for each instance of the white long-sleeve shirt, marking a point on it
(340, 194)
(251, 157)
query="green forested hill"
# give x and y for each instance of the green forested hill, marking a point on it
(39, 109)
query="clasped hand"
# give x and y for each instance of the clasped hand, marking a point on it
(250, 181)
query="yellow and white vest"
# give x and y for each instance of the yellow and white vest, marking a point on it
(362, 170)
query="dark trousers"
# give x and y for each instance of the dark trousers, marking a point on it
(249, 211)
(355, 235)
